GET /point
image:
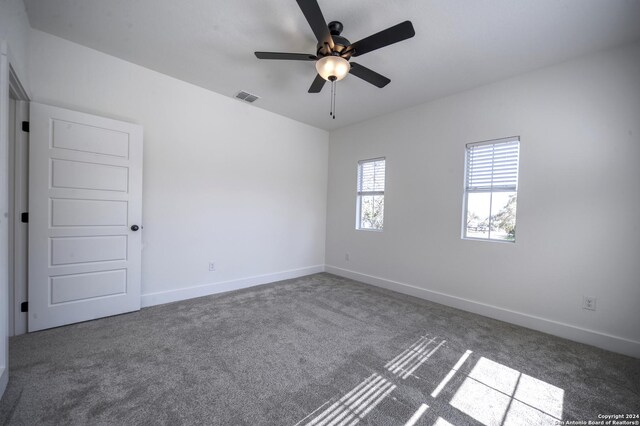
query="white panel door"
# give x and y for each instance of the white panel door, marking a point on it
(85, 211)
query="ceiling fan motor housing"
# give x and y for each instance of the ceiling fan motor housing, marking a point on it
(340, 43)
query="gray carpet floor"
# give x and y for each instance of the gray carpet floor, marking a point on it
(319, 350)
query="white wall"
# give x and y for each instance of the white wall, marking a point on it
(578, 203)
(223, 181)
(14, 30)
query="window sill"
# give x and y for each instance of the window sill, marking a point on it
(486, 240)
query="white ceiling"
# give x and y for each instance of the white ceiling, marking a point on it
(459, 44)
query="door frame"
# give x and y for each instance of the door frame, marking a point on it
(9, 87)
(19, 194)
(18, 203)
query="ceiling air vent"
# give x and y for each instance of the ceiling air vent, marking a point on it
(247, 97)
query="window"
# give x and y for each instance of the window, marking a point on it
(370, 202)
(491, 189)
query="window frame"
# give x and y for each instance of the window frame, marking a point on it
(491, 191)
(360, 194)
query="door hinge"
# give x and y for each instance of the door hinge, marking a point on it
(24, 307)
(24, 217)
(25, 126)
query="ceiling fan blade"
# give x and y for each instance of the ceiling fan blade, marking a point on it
(368, 75)
(317, 84)
(287, 56)
(402, 31)
(312, 12)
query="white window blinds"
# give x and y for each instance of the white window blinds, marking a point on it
(492, 166)
(371, 177)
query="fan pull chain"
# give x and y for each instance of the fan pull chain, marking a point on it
(333, 99)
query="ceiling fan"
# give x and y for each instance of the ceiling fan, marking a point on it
(334, 52)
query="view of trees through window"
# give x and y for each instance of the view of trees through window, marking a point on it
(492, 215)
(372, 212)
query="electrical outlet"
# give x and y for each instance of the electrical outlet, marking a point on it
(346, 257)
(589, 303)
(212, 266)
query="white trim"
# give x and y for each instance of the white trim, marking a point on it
(21, 94)
(494, 141)
(168, 296)
(602, 340)
(20, 193)
(15, 86)
(4, 380)
(371, 160)
(4, 225)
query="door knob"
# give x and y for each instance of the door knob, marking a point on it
(134, 228)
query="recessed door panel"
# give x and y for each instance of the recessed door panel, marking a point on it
(87, 138)
(72, 212)
(69, 288)
(80, 175)
(71, 250)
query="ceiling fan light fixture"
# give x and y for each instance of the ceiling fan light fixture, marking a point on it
(333, 68)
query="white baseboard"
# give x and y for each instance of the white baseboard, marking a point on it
(168, 296)
(567, 331)
(4, 380)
